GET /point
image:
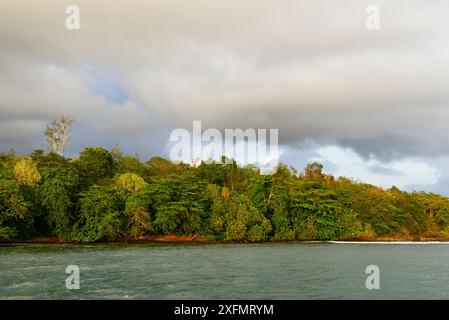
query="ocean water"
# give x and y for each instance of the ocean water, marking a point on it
(226, 271)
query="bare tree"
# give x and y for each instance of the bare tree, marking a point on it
(58, 134)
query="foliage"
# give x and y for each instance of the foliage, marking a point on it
(179, 205)
(235, 218)
(100, 215)
(137, 213)
(7, 233)
(129, 182)
(95, 166)
(13, 208)
(25, 172)
(105, 196)
(57, 194)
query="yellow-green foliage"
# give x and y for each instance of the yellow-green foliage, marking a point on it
(130, 182)
(25, 172)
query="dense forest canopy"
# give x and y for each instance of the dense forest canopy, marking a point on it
(104, 196)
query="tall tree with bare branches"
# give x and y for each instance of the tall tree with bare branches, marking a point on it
(58, 134)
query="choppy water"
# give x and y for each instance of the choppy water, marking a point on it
(225, 271)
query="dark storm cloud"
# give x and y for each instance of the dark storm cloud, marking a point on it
(309, 68)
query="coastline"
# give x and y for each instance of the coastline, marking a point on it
(149, 239)
(195, 239)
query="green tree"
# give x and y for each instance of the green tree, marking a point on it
(137, 213)
(100, 215)
(234, 217)
(95, 166)
(58, 196)
(13, 208)
(317, 214)
(179, 205)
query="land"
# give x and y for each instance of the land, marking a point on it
(103, 196)
(196, 239)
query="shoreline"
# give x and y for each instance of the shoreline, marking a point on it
(199, 240)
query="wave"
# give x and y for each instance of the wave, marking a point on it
(389, 242)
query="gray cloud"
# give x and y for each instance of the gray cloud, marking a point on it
(383, 170)
(309, 68)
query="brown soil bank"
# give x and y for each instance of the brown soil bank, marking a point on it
(163, 238)
(177, 238)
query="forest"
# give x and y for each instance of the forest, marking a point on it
(103, 195)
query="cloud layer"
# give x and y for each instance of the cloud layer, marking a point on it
(136, 70)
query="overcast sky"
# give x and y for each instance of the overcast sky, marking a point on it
(369, 104)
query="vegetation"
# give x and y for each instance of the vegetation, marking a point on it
(58, 134)
(104, 196)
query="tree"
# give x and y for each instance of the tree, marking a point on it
(317, 214)
(104, 195)
(179, 205)
(130, 164)
(95, 166)
(281, 214)
(137, 212)
(25, 172)
(58, 194)
(158, 166)
(13, 208)
(129, 182)
(58, 134)
(234, 217)
(100, 215)
(314, 172)
(7, 161)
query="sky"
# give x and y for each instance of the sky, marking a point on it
(372, 105)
